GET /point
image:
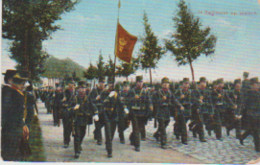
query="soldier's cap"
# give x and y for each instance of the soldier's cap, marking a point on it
(9, 74)
(57, 85)
(246, 74)
(101, 80)
(220, 81)
(203, 79)
(185, 80)
(139, 78)
(81, 83)
(165, 80)
(126, 83)
(237, 81)
(21, 75)
(254, 80)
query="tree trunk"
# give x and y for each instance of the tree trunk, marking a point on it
(151, 80)
(192, 72)
(126, 78)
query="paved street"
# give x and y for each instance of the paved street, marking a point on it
(213, 151)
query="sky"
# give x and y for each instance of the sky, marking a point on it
(91, 28)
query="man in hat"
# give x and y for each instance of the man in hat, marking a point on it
(184, 96)
(201, 108)
(124, 106)
(234, 109)
(140, 110)
(83, 112)
(252, 105)
(97, 96)
(57, 108)
(163, 101)
(14, 131)
(219, 100)
(69, 102)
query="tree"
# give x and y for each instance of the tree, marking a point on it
(27, 23)
(109, 69)
(126, 69)
(91, 73)
(150, 52)
(189, 41)
(100, 67)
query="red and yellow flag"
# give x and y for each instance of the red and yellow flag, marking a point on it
(125, 43)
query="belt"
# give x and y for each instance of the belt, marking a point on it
(108, 109)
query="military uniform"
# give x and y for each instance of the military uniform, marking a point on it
(30, 102)
(97, 96)
(67, 114)
(140, 111)
(252, 105)
(180, 128)
(219, 103)
(234, 110)
(123, 118)
(13, 146)
(57, 105)
(163, 101)
(201, 110)
(83, 117)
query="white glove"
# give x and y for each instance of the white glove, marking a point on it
(76, 107)
(111, 94)
(96, 118)
(126, 111)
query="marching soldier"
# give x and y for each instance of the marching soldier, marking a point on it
(184, 97)
(163, 101)
(69, 102)
(218, 100)
(140, 110)
(202, 108)
(234, 109)
(15, 133)
(57, 105)
(123, 118)
(109, 115)
(30, 102)
(246, 82)
(84, 110)
(252, 105)
(97, 95)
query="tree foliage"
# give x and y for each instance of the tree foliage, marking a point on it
(56, 68)
(27, 23)
(100, 67)
(189, 41)
(91, 72)
(126, 69)
(150, 52)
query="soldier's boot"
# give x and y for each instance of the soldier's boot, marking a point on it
(164, 146)
(218, 133)
(58, 122)
(99, 142)
(194, 134)
(184, 140)
(76, 156)
(238, 133)
(66, 145)
(202, 139)
(209, 132)
(228, 131)
(109, 153)
(137, 148)
(156, 135)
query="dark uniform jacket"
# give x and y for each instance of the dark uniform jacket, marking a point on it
(164, 102)
(185, 101)
(140, 107)
(205, 107)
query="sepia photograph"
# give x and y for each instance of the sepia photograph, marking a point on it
(130, 81)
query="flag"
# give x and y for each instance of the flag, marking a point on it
(125, 43)
(119, 4)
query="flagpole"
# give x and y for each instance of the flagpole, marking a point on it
(118, 9)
